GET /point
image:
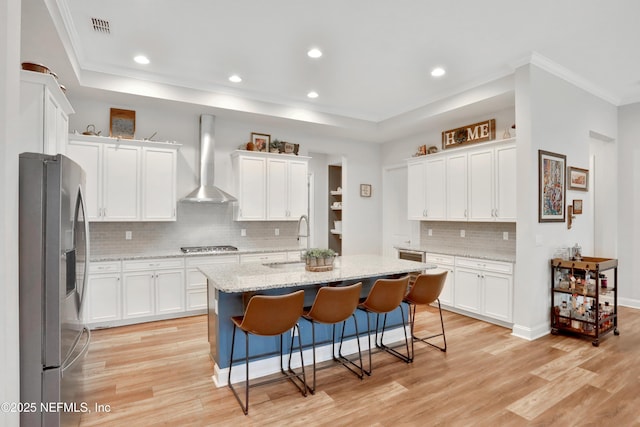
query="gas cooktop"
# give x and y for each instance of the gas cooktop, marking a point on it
(198, 249)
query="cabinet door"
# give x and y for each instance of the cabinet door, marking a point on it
(436, 186)
(506, 176)
(467, 293)
(497, 296)
(138, 292)
(298, 189)
(416, 189)
(121, 183)
(277, 189)
(251, 188)
(62, 130)
(169, 291)
(103, 298)
(88, 155)
(158, 184)
(457, 187)
(447, 294)
(51, 108)
(481, 171)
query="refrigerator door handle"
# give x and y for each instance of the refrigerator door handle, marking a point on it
(85, 274)
(67, 364)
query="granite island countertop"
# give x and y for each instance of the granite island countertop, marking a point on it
(235, 278)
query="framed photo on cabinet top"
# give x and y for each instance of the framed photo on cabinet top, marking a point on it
(578, 179)
(551, 186)
(122, 123)
(261, 141)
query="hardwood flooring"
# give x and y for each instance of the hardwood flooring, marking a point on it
(159, 373)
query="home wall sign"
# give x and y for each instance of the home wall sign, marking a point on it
(470, 134)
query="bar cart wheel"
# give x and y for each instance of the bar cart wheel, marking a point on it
(595, 343)
(554, 331)
(616, 331)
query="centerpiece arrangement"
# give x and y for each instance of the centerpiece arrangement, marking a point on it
(319, 259)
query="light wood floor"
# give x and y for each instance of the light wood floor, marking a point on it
(160, 374)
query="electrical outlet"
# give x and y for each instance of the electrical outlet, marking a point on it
(462, 233)
(128, 235)
(429, 232)
(277, 231)
(243, 232)
(505, 235)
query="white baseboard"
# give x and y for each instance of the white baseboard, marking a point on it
(629, 302)
(531, 334)
(264, 367)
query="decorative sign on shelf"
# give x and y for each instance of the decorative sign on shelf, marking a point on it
(470, 134)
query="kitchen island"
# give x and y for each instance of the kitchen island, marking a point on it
(230, 287)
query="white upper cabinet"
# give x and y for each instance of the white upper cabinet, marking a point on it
(270, 187)
(159, 184)
(474, 184)
(126, 182)
(427, 188)
(44, 114)
(457, 186)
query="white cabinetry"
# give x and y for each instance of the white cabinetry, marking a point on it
(287, 193)
(270, 186)
(153, 287)
(44, 114)
(484, 287)
(103, 299)
(427, 192)
(443, 263)
(263, 257)
(477, 184)
(196, 296)
(126, 181)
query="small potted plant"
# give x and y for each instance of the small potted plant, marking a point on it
(274, 146)
(319, 259)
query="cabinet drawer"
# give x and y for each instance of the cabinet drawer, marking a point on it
(104, 267)
(485, 265)
(439, 259)
(264, 257)
(152, 264)
(198, 261)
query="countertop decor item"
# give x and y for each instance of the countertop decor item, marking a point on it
(122, 123)
(317, 259)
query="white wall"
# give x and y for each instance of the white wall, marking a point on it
(9, 119)
(180, 122)
(629, 196)
(556, 116)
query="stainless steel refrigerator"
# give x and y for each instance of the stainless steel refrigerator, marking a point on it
(54, 252)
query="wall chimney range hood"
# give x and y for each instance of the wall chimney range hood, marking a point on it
(207, 192)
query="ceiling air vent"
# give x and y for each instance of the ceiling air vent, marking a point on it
(100, 25)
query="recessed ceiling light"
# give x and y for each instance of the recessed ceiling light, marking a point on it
(312, 94)
(141, 59)
(438, 72)
(235, 78)
(314, 53)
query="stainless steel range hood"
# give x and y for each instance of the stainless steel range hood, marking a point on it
(207, 192)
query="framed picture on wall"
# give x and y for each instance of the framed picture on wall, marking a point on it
(578, 179)
(551, 186)
(577, 207)
(365, 190)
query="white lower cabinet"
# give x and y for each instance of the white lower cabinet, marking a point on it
(444, 263)
(196, 296)
(104, 293)
(153, 287)
(484, 287)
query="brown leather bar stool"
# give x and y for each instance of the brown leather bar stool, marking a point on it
(426, 290)
(385, 296)
(270, 315)
(331, 306)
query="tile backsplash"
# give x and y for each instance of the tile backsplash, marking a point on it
(197, 224)
(479, 237)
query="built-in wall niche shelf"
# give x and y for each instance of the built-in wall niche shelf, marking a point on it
(336, 208)
(336, 232)
(336, 192)
(109, 140)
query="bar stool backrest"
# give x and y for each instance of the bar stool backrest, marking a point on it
(334, 304)
(427, 287)
(386, 294)
(271, 315)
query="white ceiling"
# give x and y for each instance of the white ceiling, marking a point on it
(377, 54)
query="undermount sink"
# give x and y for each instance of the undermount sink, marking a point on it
(290, 265)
